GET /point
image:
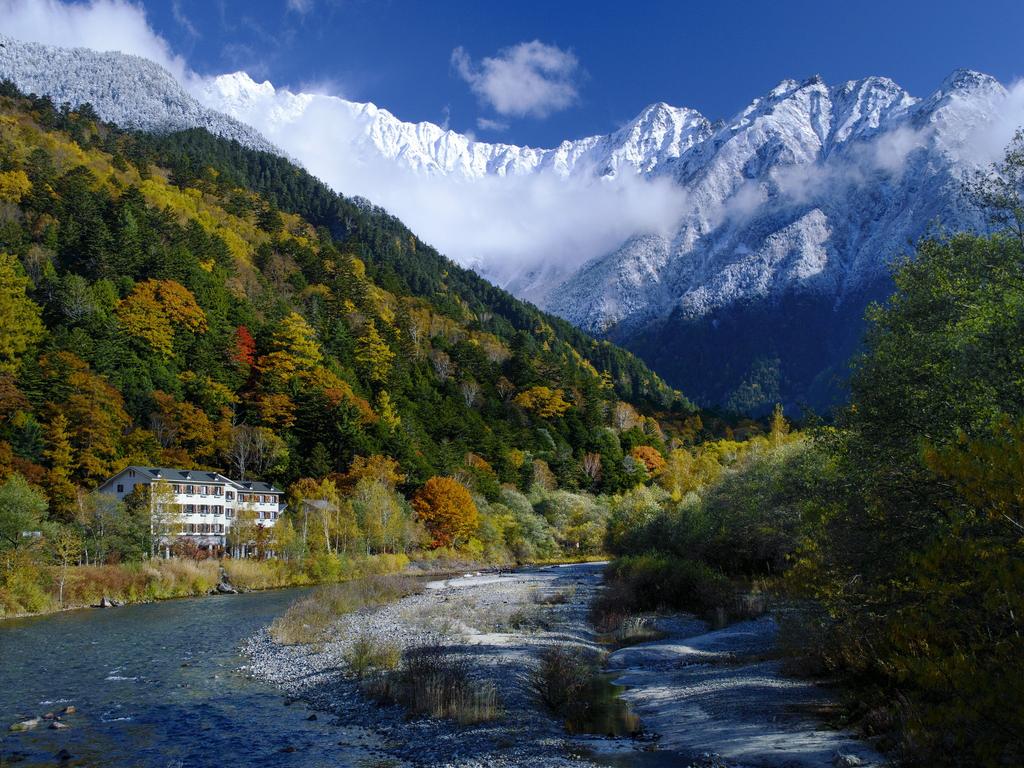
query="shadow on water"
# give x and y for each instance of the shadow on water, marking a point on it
(604, 712)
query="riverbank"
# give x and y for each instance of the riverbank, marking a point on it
(36, 589)
(699, 693)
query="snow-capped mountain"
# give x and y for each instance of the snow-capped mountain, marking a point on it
(125, 90)
(736, 256)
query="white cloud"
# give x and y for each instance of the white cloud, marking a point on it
(529, 79)
(503, 226)
(486, 124)
(183, 20)
(300, 6)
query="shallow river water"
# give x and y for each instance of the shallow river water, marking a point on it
(153, 685)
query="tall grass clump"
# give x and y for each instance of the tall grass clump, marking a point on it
(307, 619)
(433, 681)
(369, 654)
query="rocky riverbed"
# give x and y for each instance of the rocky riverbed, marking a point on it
(704, 698)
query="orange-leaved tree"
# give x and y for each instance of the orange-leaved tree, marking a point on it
(449, 513)
(650, 457)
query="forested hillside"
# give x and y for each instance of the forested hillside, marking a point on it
(179, 301)
(163, 311)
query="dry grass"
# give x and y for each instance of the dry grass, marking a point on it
(369, 654)
(265, 574)
(633, 630)
(432, 681)
(138, 582)
(307, 619)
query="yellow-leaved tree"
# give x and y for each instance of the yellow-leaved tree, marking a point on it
(373, 354)
(20, 326)
(295, 349)
(543, 401)
(156, 309)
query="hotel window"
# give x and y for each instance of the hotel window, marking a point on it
(204, 509)
(190, 489)
(131, 473)
(230, 495)
(190, 509)
(120, 488)
(229, 512)
(176, 488)
(216, 490)
(220, 527)
(202, 490)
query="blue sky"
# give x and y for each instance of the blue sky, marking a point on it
(714, 57)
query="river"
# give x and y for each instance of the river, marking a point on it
(153, 685)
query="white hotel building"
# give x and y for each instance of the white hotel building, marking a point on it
(205, 503)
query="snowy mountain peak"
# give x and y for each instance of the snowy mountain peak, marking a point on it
(670, 228)
(970, 81)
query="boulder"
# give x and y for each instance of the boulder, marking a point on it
(224, 588)
(57, 725)
(69, 710)
(25, 725)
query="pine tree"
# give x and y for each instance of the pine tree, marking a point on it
(62, 492)
(373, 355)
(20, 326)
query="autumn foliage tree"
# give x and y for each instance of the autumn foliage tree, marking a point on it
(447, 510)
(156, 309)
(543, 401)
(244, 352)
(20, 326)
(296, 350)
(650, 458)
(373, 354)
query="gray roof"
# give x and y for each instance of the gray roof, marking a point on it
(179, 475)
(255, 485)
(200, 476)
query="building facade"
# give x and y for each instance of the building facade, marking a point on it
(207, 508)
